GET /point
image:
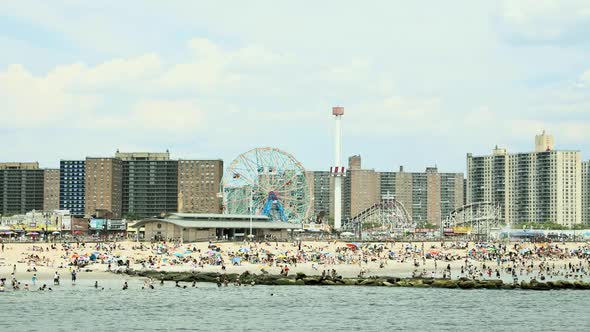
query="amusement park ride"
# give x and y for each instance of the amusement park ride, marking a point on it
(270, 182)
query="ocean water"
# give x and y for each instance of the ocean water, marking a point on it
(289, 308)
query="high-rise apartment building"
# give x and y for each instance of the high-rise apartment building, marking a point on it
(585, 176)
(429, 197)
(541, 186)
(198, 185)
(361, 188)
(150, 184)
(51, 190)
(452, 192)
(323, 194)
(21, 188)
(71, 186)
(104, 186)
(487, 178)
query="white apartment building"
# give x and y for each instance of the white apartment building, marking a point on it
(541, 186)
(586, 192)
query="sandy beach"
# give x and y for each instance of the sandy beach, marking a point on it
(385, 259)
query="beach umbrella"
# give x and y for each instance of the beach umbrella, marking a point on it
(177, 254)
(347, 234)
(56, 233)
(188, 252)
(352, 245)
(236, 259)
(32, 233)
(244, 250)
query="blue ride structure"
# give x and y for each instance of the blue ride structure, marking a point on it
(274, 205)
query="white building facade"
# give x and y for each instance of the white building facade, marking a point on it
(544, 186)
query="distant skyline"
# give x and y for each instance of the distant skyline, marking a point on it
(422, 83)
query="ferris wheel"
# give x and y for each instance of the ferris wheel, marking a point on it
(267, 181)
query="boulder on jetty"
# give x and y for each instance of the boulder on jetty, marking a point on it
(444, 283)
(302, 279)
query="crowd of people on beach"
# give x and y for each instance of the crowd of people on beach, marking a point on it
(479, 260)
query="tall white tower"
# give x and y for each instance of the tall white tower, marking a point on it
(337, 171)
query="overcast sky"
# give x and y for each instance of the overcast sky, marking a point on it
(422, 82)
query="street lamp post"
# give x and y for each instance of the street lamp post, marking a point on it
(251, 198)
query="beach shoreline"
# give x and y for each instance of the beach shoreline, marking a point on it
(320, 257)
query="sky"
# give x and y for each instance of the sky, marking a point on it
(422, 82)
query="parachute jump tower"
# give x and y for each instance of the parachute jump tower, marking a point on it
(337, 171)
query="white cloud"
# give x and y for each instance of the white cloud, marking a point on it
(31, 101)
(268, 75)
(546, 21)
(394, 116)
(78, 92)
(212, 70)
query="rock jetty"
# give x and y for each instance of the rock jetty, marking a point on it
(301, 279)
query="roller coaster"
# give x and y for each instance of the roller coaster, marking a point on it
(480, 218)
(389, 215)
